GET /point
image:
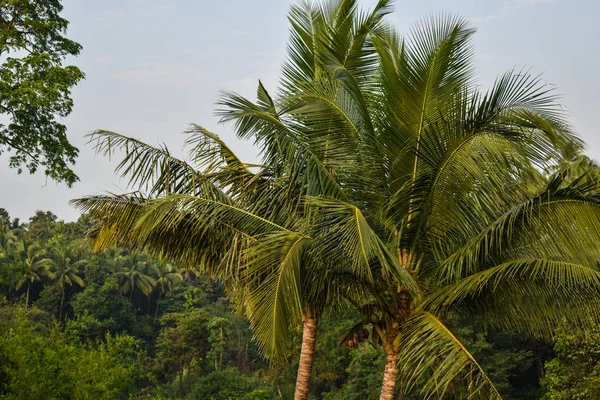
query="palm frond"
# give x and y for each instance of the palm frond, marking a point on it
(153, 169)
(345, 236)
(559, 222)
(530, 295)
(429, 345)
(274, 303)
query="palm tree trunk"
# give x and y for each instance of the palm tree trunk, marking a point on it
(390, 376)
(62, 300)
(156, 312)
(161, 295)
(180, 386)
(27, 298)
(307, 354)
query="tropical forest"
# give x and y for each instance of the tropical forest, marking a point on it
(403, 232)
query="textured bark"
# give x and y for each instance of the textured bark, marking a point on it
(307, 355)
(390, 376)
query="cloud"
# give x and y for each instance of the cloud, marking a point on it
(509, 9)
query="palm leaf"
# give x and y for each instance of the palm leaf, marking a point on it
(429, 345)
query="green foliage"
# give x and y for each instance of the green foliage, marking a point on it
(575, 371)
(182, 345)
(506, 357)
(103, 304)
(228, 385)
(40, 226)
(364, 373)
(198, 336)
(40, 362)
(35, 87)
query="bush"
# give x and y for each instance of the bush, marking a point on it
(51, 365)
(228, 385)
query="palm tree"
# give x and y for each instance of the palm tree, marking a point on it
(165, 276)
(29, 259)
(134, 275)
(453, 195)
(66, 269)
(234, 211)
(576, 167)
(7, 238)
(385, 172)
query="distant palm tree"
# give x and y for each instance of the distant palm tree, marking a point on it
(578, 167)
(110, 260)
(7, 238)
(29, 258)
(165, 276)
(133, 274)
(66, 265)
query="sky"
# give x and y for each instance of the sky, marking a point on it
(154, 66)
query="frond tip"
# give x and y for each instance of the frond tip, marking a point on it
(429, 345)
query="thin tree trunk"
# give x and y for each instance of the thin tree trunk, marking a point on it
(307, 354)
(156, 312)
(221, 351)
(161, 295)
(62, 300)
(539, 359)
(390, 376)
(27, 298)
(180, 390)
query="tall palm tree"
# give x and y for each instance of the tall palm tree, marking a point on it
(66, 265)
(454, 196)
(29, 258)
(278, 280)
(134, 274)
(385, 172)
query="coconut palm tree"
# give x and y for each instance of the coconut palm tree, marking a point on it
(386, 172)
(267, 280)
(454, 195)
(66, 265)
(133, 274)
(165, 275)
(29, 258)
(7, 238)
(577, 166)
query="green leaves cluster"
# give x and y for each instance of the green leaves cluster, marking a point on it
(574, 372)
(35, 87)
(50, 364)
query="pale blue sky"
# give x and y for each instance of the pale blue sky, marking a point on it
(153, 66)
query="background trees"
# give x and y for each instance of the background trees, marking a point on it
(99, 322)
